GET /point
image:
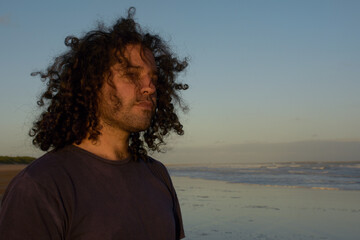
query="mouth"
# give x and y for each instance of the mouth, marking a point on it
(148, 105)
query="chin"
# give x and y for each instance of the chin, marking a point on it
(139, 127)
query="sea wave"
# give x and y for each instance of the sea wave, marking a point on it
(315, 175)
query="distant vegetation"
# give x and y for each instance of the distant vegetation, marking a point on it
(16, 160)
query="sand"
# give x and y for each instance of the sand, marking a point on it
(219, 210)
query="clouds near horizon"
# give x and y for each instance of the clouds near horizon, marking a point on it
(302, 151)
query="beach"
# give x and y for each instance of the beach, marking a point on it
(220, 210)
(216, 210)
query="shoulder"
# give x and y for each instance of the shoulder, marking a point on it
(160, 171)
(154, 162)
(50, 170)
(47, 165)
(51, 175)
(157, 166)
(57, 161)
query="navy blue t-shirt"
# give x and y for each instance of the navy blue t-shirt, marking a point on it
(72, 194)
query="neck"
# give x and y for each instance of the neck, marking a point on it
(112, 144)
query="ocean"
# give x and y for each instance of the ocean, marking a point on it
(316, 175)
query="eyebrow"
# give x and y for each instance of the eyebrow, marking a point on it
(154, 71)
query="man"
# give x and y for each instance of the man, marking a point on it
(109, 99)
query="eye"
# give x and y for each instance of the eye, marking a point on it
(132, 75)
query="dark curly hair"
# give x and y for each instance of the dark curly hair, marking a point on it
(74, 79)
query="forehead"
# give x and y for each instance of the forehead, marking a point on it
(139, 56)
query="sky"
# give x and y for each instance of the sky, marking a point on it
(269, 80)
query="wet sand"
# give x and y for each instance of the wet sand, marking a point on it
(219, 210)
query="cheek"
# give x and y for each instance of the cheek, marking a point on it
(128, 95)
(116, 102)
(110, 99)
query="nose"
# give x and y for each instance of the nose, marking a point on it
(148, 86)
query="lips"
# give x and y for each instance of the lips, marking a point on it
(146, 105)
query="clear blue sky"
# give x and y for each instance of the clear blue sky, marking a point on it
(261, 72)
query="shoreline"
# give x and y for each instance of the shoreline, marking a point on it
(324, 176)
(271, 186)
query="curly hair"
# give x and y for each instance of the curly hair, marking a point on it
(74, 79)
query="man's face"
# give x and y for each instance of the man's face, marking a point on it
(128, 100)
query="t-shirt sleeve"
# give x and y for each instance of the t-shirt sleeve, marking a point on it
(160, 170)
(30, 211)
(177, 207)
(178, 212)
